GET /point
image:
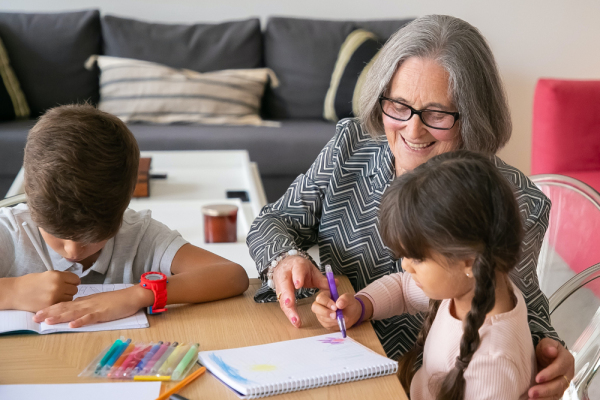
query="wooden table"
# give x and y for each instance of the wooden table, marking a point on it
(235, 322)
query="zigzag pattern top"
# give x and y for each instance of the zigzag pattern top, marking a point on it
(336, 205)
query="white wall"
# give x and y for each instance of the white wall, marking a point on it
(530, 38)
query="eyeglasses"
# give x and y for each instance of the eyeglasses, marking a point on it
(403, 112)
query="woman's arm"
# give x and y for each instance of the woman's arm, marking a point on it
(293, 222)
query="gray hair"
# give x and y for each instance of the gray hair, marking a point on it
(474, 82)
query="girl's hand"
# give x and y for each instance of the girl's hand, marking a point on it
(325, 308)
(101, 307)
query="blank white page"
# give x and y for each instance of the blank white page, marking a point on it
(80, 391)
(15, 320)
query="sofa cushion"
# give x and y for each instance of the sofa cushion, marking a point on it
(48, 52)
(354, 61)
(142, 91)
(285, 151)
(199, 47)
(12, 100)
(302, 53)
(13, 135)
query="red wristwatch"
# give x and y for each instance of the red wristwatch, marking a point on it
(157, 282)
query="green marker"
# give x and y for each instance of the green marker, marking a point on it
(173, 360)
(108, 354)
(192, 352)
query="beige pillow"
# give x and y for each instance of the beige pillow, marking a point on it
(142, 91)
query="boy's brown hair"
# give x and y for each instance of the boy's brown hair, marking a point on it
(80, 171)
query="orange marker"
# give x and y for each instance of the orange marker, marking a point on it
(181, 384)
(120, 360)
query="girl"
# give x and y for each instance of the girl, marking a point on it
(455, 223)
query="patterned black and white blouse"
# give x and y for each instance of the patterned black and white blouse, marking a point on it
(336, 205)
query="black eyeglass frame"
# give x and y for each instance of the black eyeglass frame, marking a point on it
(413, 111)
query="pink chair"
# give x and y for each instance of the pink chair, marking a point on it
(572, 241)
(566, 130)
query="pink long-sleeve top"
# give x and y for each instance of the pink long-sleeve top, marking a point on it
(504, 366)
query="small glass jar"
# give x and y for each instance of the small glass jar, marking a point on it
(220, 223)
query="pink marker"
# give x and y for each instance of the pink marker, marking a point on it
(155, 358)
(134, 356)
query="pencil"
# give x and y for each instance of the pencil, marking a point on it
(182, 384)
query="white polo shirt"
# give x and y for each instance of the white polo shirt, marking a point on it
(142, 244)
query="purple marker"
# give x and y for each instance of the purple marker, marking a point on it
(334, 296)
(155, 358)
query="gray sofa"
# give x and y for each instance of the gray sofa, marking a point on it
(48, 51)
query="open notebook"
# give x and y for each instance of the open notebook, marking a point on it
(292, 365)
(15, 321)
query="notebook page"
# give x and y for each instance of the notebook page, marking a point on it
(309, 360)
(15, 320)
(138, 320)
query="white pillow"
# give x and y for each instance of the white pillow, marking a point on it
(142, 91)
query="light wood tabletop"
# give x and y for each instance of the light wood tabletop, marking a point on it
(235, 322)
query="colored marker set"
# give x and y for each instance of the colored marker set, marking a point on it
(162, 361)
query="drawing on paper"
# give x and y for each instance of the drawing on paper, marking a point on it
(332, 340)
(229, 370)
(263, 368)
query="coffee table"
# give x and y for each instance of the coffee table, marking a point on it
(195, 179)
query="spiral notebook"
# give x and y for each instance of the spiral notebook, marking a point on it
(282, 367)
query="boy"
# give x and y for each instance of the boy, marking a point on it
(80, 171)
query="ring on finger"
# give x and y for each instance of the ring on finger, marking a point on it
(567, 380)
(279, 296)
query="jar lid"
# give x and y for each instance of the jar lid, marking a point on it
(219, 210)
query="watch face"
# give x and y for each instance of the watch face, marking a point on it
(153, 277)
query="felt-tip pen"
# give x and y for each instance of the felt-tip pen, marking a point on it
(111, 361)
(334, 296)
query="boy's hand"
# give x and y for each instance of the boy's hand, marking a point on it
(33, 292)
(325, 308)
(101, 307)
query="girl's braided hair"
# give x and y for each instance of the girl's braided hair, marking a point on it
(459, 205)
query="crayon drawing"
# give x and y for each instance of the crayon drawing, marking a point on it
(229, 370)
(263, 367)
(331, 340)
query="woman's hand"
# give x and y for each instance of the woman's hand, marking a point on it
(295, 272)
(554, 363)
(324, 308)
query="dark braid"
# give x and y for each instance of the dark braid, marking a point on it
(453, 386)
(406, 364)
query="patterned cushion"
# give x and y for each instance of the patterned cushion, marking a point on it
(142, 91)
(354, 61)
(12, 100)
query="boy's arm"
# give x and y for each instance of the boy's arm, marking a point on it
(198, 276)
(33, 292)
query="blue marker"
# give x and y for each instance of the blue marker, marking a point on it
(115, 357)
(146, 358)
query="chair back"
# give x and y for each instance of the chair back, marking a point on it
(575, 314)
(571, 243)
(13, 200)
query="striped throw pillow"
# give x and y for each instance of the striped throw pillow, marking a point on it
(354, 60)
(142, 91)
(12, 100)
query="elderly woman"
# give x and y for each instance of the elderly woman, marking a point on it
(433, 88)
